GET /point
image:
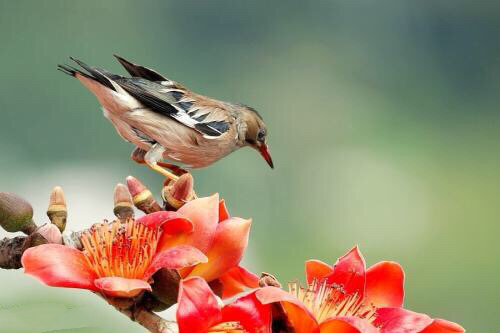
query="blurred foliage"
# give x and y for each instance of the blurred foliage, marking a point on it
(383, 120)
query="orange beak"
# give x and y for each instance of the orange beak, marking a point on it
(264, 151)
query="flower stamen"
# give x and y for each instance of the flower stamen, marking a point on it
(228, 327)
(330, 300)
(123, 249)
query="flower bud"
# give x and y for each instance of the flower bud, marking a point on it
(177, 193)
(151, 303)
(33, 240)
(48, 233)
(58, 210)
(123, 205)
(267, 280)
(74, 239)
(143, 198)
(16, 214)
(166, 286)
(51, 233)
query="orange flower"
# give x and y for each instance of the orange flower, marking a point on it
(347, 298)
(120, 258)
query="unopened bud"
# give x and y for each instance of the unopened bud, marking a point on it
(151, 303)
(74, 239)
(166, 286)
(177, 193)
(142, 197)
(16, 214)
(33, 240)
(58, 210)
(268, 280)
(123, 205)
(51, 233)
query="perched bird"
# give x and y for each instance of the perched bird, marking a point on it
(165, 120)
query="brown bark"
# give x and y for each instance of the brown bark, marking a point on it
(11, 251)
(147, 319)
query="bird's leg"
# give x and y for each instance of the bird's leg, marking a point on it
(138, 156)
(177, 170)
(153, 156)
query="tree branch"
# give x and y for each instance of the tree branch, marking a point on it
(136, 312)
(149, 320)
(11, 251)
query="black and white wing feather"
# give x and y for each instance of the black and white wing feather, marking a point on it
(136, 70)
(168, 99)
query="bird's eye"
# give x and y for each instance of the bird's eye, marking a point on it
(261, 135)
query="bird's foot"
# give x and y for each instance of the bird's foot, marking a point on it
(152, 157)
(177, 170)
(163, 171)
(141, 156)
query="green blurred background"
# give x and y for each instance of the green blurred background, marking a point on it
(383, 120)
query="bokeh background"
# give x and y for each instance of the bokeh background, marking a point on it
(383, 120)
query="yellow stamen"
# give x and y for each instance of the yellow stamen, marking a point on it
(229, 327)
(123, 249)
(330, 300)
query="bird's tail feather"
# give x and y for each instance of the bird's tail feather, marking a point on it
(91, 73)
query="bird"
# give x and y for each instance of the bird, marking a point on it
(167, 121)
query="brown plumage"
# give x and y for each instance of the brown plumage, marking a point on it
(165, 120)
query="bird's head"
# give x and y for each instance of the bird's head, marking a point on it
(255, 133)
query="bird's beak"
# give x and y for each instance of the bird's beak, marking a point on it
(264, 151)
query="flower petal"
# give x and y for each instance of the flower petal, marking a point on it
(230, 242)
(223, 212)
(58, 266)
(175, 258)
(385, 284)
(250, 313)
(337, 326)
(349, 272)
(171, 222)
(236, 280)
(302, 321)
(347, 325)
(298, 315)
(443, 326)
(268, 295)
(121, 287)
(204, 214)
(316, 269)
(197, 309)
(397, 320)
(177, 226)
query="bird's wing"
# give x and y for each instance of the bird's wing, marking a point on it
(169, 99)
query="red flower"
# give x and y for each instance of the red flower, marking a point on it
(222, 238)
(119, 259)
(346, 298)
(199, 312)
